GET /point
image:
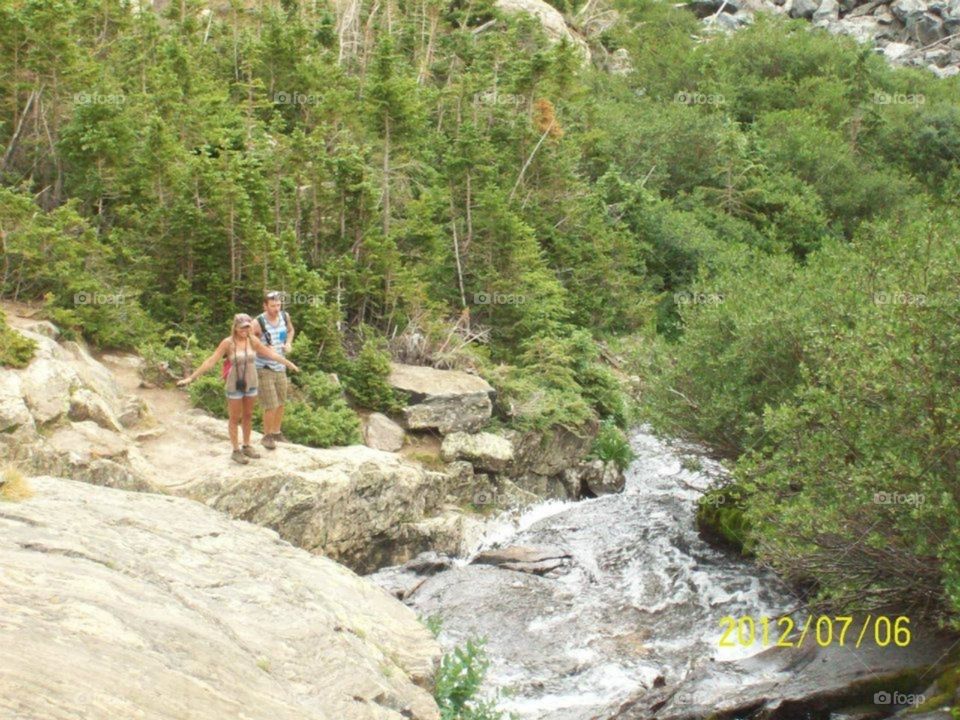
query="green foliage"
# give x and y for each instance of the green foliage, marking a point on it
(458, 684)
(319, 416)
(16, 350)
(612, 445)
(207, 393)
(365, 378)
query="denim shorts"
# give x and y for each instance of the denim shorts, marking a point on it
(251, 392)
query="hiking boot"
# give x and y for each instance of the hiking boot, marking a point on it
(250, 452)
(280, 437)
(239, 457)
(268, 442)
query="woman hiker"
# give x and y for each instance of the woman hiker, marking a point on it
(241, 349)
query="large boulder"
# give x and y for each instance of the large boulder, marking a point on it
(551, 20)
(551, 451)
(135, 605)
(382, 433)
(485, 451)
(448, 400)
(363, 507)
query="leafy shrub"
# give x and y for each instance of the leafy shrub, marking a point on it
(320, 426)
(16, 350)
(458, 682)
(611, 445)
(207, 393)
(366, 379)
(318, 415)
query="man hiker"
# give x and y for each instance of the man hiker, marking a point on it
(275, 330)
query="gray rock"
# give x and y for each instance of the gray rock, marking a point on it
(85, 405)
(486, 451)
(902, 9)
(804, 8)
(382, 433)
(926, 28)
(897, 51)
(828, 12)
(619, 62)
(534, 560)
(806, 680)
(862, 29)
(43, 327)
(14, 412)
(946, 72)
(448, 400)
(551, 20)
(151, 606)
(549, 452)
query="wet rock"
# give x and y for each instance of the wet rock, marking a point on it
(152, 606)
(549, 452)
(382, 433)
(485, 451)
(535, 560)
(782, 682)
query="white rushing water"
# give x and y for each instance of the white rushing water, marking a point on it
(642, 597)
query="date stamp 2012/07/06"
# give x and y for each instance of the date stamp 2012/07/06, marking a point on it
(824, 630)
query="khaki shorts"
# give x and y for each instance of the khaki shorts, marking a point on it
(272, 387)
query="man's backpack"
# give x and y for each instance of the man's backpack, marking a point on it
(263, 326)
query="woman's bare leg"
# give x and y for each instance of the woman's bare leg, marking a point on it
(235, 409)
(248, 403)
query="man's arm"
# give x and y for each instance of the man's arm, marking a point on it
(290, 331)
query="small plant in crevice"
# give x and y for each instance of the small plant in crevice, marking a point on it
(458, 684)
(611, 445)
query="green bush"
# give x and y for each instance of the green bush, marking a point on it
(365, 378)
(611, 445)
(207, 393)
(317, 414)
(16, 350)
(320, 426)
(458, 683)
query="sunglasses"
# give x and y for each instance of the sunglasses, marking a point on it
(274, 295)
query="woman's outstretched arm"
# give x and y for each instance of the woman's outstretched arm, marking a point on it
(207, 364)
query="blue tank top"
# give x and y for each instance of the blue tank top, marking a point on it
(278, 336)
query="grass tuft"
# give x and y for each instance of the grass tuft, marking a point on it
(13, 485)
